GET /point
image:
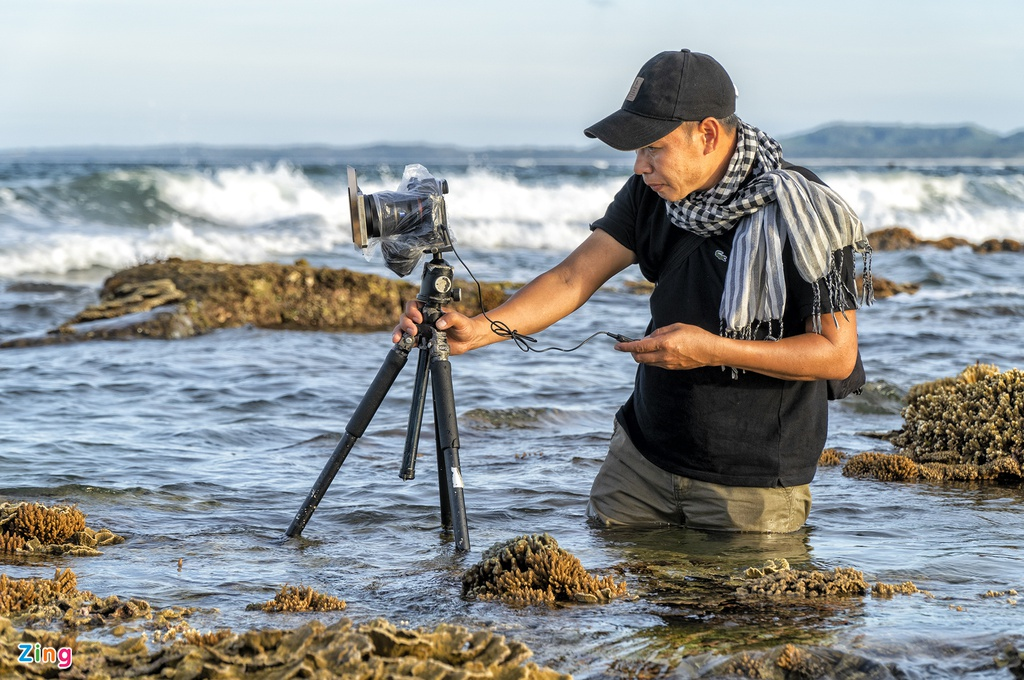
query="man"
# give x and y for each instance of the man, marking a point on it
(753, 310)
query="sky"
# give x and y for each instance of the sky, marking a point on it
(475, 73)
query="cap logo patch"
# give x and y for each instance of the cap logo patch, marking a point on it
(634, 89)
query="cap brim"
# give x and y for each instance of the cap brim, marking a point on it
(627, 131)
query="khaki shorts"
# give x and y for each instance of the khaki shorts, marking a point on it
(630, 490)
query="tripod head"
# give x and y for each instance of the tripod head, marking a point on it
(437, 288)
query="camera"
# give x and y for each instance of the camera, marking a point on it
(406, 223)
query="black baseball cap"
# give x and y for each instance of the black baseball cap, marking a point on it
(671, 88)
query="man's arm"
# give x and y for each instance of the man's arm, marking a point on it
(551, 296)
(830, 355)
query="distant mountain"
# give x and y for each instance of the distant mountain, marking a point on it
(324, 155)
(902, 141)
(838, 141)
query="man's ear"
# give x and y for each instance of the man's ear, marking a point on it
(711, 133)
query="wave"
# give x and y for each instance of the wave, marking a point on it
(971, 205)
(71, 218)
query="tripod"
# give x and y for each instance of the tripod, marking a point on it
(436, 290)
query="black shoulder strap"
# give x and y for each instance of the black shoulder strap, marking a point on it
(683, 249)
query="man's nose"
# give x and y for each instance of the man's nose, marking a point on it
(641, 166)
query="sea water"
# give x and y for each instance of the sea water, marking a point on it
(200, 451)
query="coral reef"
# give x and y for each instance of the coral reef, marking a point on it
(58, 530)
(374, 650)
(797, 662)
(976, 419)
(300, 599)
(10, 543)
(18, 596)
(52, 526)
(535, 570)
(884, 466)
(962, 428)
(778, 580)
(59, 602)
(888, 590)
(831, 458)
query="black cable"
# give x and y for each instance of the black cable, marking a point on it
(502, 330)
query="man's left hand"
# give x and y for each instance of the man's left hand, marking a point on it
(676, 347)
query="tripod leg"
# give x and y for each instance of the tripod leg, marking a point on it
(448, 440)
(371, 401)
(442, 480)
(419, 397)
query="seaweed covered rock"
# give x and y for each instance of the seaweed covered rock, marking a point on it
(178, 298)
(57, 530)
(300, 599)
(534, 570)
(901, 238)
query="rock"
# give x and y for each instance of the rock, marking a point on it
(900, 238)
(180, 298)
(132, 297)
(884, 288)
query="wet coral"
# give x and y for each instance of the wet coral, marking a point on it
(831, 457)
(888, 590)
(785, 582)
(968, 427)
(300, 599)
(59, 602)
(797, 662)
(54, 525)
(211, 639)
(10, 543)
(374, 650)
(21, 595)
(57, 530)
(535, 570)
(770, 567)
(1011, 593)
(884, 466)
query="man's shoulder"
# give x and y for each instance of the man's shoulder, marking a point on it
(786, 165)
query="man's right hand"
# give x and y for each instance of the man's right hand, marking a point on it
(460, 330)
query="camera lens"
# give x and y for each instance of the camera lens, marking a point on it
(393, 214)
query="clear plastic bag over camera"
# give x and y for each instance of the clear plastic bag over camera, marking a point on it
(410, 219)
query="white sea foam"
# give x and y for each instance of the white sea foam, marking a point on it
(260, 213)
(246, 196)
(971, 206)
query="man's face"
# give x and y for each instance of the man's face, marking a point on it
(677, 164)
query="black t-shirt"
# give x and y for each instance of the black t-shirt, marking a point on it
(748, 430)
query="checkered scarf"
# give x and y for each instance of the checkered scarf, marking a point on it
(765, 211)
